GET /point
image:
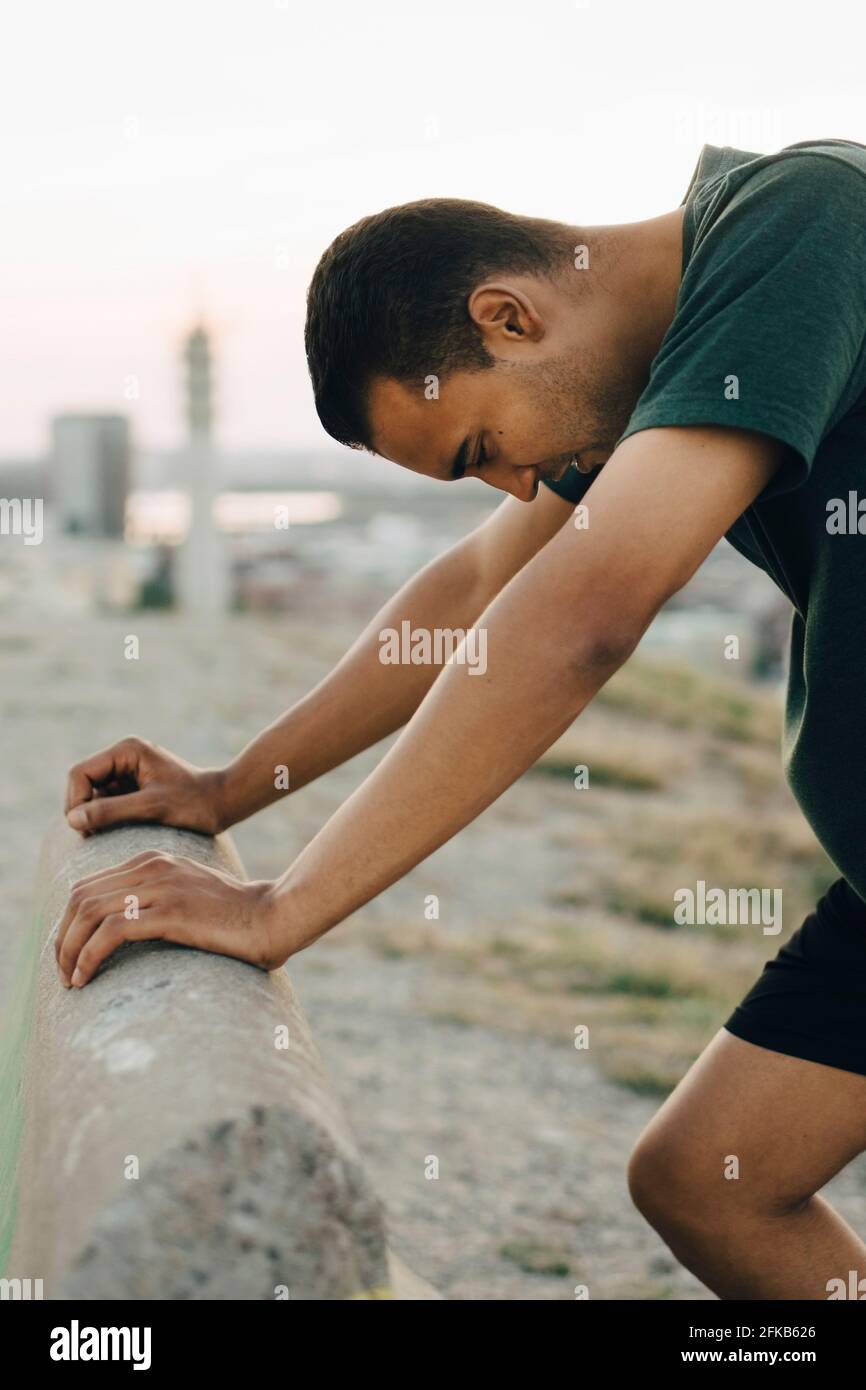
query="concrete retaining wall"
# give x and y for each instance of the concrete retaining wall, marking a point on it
(168, 1066)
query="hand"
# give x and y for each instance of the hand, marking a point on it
(166, 897)
(138, 781)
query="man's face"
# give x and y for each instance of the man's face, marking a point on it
(550, 396)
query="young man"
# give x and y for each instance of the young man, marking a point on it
(712, 360)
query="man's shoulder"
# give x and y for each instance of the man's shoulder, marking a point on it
(801, 191)
(834, 154)
(810, 173)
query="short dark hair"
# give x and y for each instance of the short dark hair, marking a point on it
(389, 298)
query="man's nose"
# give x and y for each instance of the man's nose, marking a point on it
(519, 482)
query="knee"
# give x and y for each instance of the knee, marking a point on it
(646, 1177)
(679, 1185)
(667, 1185)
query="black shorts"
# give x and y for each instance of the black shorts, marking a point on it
(810, 1000)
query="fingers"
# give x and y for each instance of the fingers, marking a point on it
(121, 759)
(144, 856)
(132, 877)
(163, 897)
(103, 811)
(91, 913)
(113, 930)
(142, 899)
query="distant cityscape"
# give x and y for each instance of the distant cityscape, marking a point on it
(296, 532)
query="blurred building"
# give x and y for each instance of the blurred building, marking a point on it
(90, 473)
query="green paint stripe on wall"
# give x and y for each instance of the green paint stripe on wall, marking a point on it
(14, 1035)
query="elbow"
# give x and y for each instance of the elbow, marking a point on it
(604, 650)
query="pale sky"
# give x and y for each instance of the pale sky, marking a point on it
(163, 155)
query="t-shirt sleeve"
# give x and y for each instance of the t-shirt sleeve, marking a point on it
(573, 485)
(770, 319)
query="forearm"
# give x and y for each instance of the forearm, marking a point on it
(471, 738)
(362, 700)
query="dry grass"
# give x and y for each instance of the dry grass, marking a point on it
(686, 699)
(685, 783)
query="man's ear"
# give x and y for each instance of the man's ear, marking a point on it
(504, 315)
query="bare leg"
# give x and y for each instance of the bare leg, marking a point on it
(786, 1127)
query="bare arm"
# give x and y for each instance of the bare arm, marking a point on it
(555, 633)
(362, 701)
(358, 704)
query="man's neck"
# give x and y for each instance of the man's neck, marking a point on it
(637, 270)
(649, 272)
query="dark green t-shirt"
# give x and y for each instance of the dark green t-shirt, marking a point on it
(769, 334)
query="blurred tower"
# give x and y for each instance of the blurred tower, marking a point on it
(90, 473)
(203, 586)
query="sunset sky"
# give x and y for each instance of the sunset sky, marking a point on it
(162, 157)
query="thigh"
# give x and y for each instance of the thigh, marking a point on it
(791, 1124)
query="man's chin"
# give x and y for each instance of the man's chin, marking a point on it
(556, 474)
(591, 459)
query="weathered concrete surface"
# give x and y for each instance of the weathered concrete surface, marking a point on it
(167, 1065)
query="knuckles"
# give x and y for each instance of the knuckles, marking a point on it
(149, 856)
(116, 928)
(133, 744)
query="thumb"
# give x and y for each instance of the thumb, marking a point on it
(103, 811)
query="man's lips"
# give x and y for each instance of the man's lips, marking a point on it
(556, 470)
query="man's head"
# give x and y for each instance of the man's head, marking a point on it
(459, 340)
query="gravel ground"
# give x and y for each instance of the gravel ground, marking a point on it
(531, 1140)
